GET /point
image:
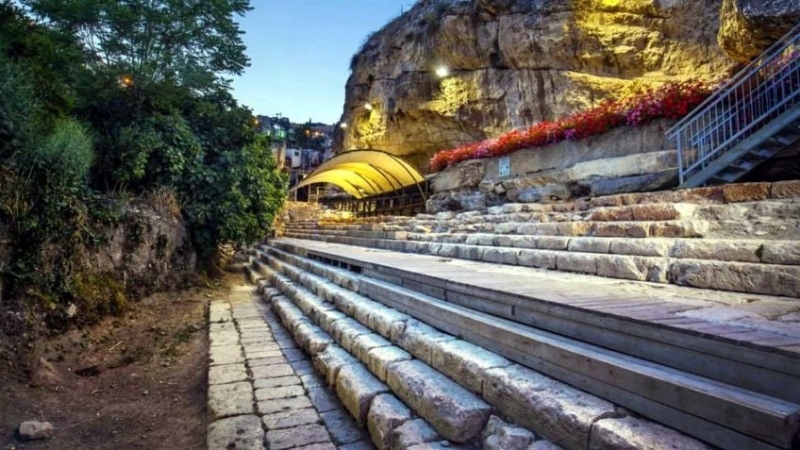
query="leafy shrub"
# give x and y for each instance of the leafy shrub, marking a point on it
(17, 109)
(153, 152)
(62, 161)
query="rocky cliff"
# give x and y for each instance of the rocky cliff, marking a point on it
(513, 63)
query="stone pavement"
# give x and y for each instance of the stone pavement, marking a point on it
(263, 392)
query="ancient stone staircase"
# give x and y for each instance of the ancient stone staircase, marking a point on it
(344, 317)
(740, 238)
(627, 321)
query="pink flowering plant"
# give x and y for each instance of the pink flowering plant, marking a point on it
(670, 101)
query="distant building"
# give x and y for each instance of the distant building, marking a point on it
(276, 128)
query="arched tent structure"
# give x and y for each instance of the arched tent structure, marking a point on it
(365, 173)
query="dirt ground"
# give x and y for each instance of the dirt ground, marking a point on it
(132, 382)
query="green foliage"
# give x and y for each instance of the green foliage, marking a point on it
(17, 110)
(181, 42)
(234, 198)
(102, 99)
(62, 161)
(153, 151)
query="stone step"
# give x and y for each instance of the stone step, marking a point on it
(782, 252)
(546, 299)
(375, 333)
(769, 219)
(749, 277)
(366, 371)
(643, 229)
(644, 385)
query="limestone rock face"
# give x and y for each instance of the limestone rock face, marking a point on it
(513, 63)
(748, 27)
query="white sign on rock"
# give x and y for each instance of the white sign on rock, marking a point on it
(504, 167)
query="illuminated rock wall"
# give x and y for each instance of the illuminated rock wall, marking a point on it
(515, 63)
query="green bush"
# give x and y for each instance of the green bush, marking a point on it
(17, 109)
(62, 160)
(153, 152)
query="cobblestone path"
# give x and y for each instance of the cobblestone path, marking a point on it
(263, 392)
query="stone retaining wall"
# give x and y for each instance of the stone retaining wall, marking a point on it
(623, 160)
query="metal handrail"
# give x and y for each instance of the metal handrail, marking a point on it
(767, 87)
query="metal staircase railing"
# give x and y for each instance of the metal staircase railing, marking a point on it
(750, 118)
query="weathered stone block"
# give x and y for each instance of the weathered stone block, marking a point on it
(453, 411)
(225, 355)
(633, 268)
(621, 229)
(663, 211)
(273, 371)
(326, 319)
(230, 399)
(573, 228)
(785, 189)
(418, 339)
(311, 339)
(346, 331)
(552, 242)
(589, 245)
(618, 214)
(576, 262)
(386, 414)
(465, 363)
(641, 247)
(379, 359)
(738, 277)
(541, 259)
(499, 435)
(679, 229)
(330, 362)
(633, 434)
(226, 338)
(387, 321)
(720, 250)
(471, 252)
(522, 241)
(289, 314)
(356, 387)
(240, 432)
(745, 192)
(266, 383)
(323, 399)
(283, 405)
(279, 392)
(364, 343)
(228, 373)
(500, 256)
(411, 433)
(558, 412)
(448, 250)
(290, 419)
(780, 252)
(506, 228)
(296, 437)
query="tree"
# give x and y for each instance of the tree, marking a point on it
(306, 136)
(187, 42)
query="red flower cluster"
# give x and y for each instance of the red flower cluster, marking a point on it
(671, 101)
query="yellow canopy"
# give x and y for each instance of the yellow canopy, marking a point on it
(364, 173)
